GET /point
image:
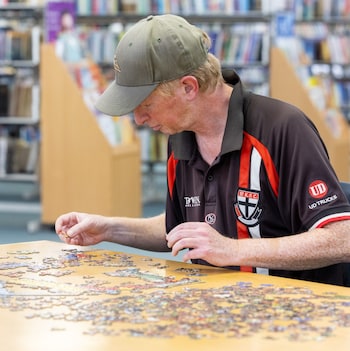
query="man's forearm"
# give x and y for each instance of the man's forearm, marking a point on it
(141, 233)
(314, 249)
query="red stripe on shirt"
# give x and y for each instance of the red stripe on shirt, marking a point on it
(267, 160)
(171, 171)
(244, 173)
(326, 221)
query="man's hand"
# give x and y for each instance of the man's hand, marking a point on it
(204, 241)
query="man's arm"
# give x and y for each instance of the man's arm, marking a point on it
(141, 233)
(78, 228)
(316, 248)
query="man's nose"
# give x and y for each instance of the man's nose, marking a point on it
(139, 117)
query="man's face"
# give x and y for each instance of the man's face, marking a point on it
(162, 113)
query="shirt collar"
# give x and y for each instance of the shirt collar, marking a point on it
(184, 144)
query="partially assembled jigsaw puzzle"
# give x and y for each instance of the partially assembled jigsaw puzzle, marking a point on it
(117, 294)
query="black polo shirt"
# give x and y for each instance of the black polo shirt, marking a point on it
(272, 178)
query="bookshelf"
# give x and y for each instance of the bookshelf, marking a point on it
(20, 37)
(80, 170)
(22, 9)
(331, 124)
(313, 57)
(332, 61)
(321, 30)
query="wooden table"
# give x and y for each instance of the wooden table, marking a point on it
(60, 297)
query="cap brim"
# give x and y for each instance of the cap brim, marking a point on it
(119, 100)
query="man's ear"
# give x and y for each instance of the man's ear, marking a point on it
(188, 88)
(190, 85)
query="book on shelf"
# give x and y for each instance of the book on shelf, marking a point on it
(5, 49)
(341, 93)
(6, 81)
(20, 45)
(97, 7)
(153, 145)
(19, 152)
(4, 99)
(30, 137)
(36, 43)
(16, 45)
(22, 92)
(3, 154)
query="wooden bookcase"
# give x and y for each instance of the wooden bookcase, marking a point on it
(80, 170)
(286, 85)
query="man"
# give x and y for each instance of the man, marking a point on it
(250, 185)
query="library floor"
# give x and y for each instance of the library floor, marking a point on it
(20, 217)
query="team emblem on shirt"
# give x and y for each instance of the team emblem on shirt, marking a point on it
(246, 207)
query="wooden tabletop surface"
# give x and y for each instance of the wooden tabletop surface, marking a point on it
(60, 297)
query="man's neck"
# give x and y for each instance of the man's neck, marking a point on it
(212, 123)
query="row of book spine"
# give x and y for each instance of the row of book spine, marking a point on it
(316, 9)
(321, 43)
(241, 44)
(19, 91)
(111, 7)
(236, 44)
(303, 9)
(108, 7)
(335, 50)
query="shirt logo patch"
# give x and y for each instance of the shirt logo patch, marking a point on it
(246, 207)
(192, 201)
(210, 218)
(318, 189)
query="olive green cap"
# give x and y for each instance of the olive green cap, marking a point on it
(156, 49)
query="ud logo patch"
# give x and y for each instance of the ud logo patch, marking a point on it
(246, 207)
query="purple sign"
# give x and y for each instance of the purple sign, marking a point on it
(59, 17)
